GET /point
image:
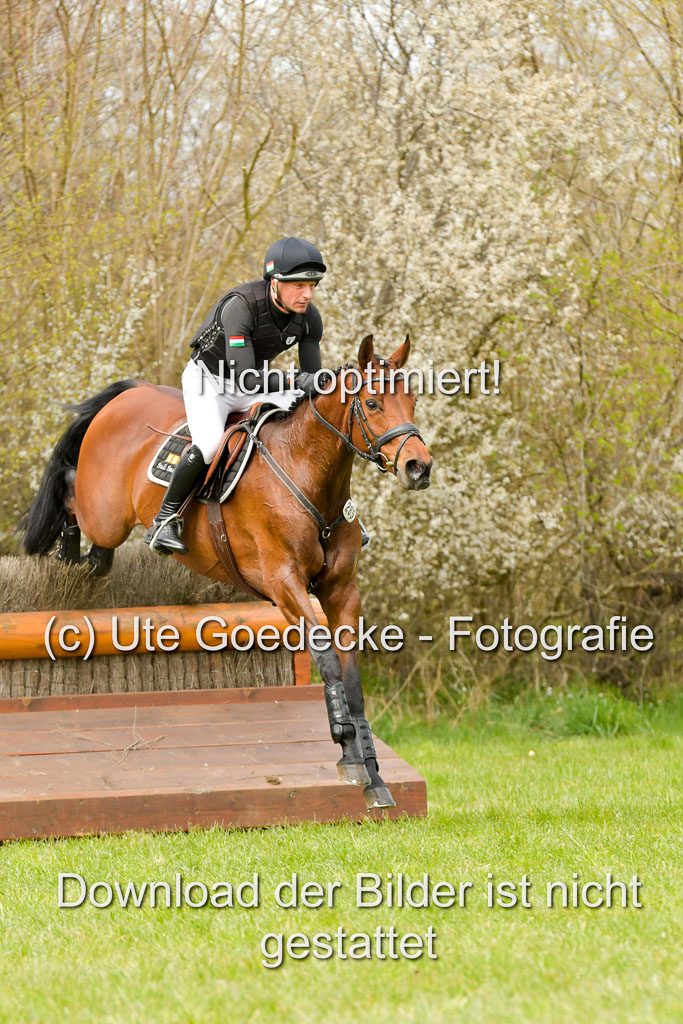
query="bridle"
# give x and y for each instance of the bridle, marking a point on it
(374, 443)
(372, 453)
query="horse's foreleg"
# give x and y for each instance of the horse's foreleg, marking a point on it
(294, 602)
(341, 604)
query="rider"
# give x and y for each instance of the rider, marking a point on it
(250, 324)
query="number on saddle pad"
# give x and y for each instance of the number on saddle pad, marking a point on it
(168, 456)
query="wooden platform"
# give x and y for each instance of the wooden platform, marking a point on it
(76, 765)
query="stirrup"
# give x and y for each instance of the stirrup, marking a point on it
(153, 534)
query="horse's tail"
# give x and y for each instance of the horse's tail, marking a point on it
(42, 523)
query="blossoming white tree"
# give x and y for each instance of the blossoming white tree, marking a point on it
(484, 184)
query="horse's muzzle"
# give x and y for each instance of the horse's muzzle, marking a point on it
(417, 474)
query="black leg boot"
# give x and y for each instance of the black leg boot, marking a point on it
(163, 535)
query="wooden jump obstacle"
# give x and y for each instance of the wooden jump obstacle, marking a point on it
(28, 670)
(82, 763)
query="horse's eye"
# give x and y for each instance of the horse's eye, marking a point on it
(372, 404)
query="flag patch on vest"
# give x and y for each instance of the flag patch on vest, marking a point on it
(234, 341)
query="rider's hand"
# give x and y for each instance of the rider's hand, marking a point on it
(306, 382)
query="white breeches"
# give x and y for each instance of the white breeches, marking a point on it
(208, 403)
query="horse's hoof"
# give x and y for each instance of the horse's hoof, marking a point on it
(354, 774)
(378, 796)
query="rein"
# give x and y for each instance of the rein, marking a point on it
(348, 515)
(372, 453)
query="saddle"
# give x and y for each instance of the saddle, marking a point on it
(229, 462)
(221, 477)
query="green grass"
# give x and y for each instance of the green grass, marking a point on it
(510, 792)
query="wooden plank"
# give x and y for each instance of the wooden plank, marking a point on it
(69, 770)
(205, 778)
(165, 716)
(243, 807)
(47, 723)
(160, 698)
(64, 741)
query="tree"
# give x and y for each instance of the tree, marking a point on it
(141, 149)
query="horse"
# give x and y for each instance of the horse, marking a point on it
(290, 522)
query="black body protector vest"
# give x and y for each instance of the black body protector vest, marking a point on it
(268, 340)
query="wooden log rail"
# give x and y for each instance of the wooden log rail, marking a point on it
(161, 629)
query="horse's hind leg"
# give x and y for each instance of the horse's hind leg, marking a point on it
(69, 544)
(100, 560)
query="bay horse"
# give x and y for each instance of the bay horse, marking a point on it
(96, 481)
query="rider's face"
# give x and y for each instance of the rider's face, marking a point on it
(295, 295)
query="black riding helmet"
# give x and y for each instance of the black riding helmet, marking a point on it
(293, 259)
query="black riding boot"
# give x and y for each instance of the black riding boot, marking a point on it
(163, 535)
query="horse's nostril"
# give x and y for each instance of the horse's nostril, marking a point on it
(417, 472)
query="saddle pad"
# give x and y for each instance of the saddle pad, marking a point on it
(168, 455)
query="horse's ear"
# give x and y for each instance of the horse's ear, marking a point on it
(400, 356)
(366, 350)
